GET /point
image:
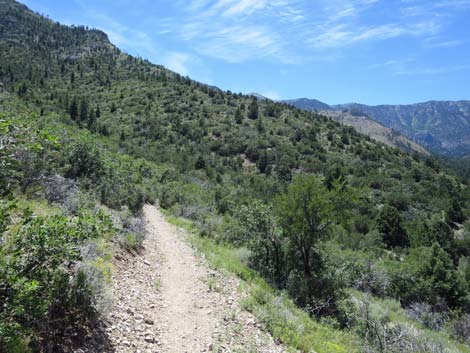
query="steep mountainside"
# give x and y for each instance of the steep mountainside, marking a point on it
(375, 130)
(442, 127)
(344, 243)
(309, 104)
(361, 123)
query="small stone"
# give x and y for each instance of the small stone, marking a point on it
(149, 321)
(149, 339)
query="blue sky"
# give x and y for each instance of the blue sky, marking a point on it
(337, 51)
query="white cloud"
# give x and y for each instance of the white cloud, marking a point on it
(439, 42)
(245, 7)
(431, 71)
(178, 62)
(271, 95)
(289, 31)
(342, 35)
(293, 31)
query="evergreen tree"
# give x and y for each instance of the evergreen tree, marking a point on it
(200, 163)
(83, 111)
(238, 116)
(260, 126)
(253, 110)
(389, 224)
(73, 110)
(455, 212)
(443, 277)
(306, 213)
(22, 90)
(263, 162)
(91, 123)
(443, 235)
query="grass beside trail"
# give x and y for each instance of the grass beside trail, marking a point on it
(281, 317)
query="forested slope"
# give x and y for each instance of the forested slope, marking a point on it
(353, 230)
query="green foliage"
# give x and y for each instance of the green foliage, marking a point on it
(127, 132)
(455, 212)
(42, 291)
(239, 116)
(285, 321)
(253, 109)
(389, 224)
(73, 109)
(265, 241)
(284, 249)
(428, 274)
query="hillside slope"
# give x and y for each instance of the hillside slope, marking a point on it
(443, 127)
(440, 126)
(309, 212)
(375, 130)
(361, 123)
(308, 104)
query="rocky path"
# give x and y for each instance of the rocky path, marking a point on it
(168, 300)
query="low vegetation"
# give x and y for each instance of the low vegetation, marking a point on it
(325, 215)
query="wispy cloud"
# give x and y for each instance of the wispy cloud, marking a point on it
(274, 95)
(288, 30)
(141, 43)
(284, 31)
(432, 71)
(178, 62)
(343, 35)
(395, 64)
(440, 42)
(411, 67)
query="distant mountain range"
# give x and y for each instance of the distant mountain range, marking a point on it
(441, 126)
(375, 130)
(309, 104)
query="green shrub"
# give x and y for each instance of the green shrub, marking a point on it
(43, 292)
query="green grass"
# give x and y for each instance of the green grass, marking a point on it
(281, 317)
(391, 312)
(39, 207)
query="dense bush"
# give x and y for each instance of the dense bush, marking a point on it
(45, 296)
(284, 242)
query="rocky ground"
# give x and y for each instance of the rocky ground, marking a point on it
(168, 300)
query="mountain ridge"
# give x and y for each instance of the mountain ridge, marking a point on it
(319, 221)
(441, 126)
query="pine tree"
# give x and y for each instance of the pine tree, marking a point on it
(260, 126)
(443, 277)
(455, 212)
(200, 163)
(390, 227)
(263, 163)
(22, 90)
(83, 111)
(73, 109)
(253, 110)
(238, 116)
(91, 123)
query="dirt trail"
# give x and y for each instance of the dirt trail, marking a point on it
(168, 300)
